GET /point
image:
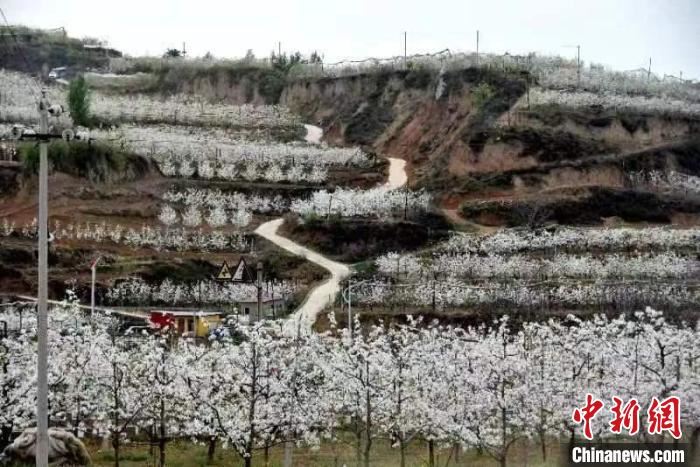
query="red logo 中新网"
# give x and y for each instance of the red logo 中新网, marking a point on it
(662, 416)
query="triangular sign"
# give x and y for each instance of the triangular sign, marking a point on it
(224, 273)
(241, 271)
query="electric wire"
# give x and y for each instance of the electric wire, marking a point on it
(18, 48)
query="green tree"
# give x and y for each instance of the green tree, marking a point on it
(172, 53)
(315, 58)
(79, 101)
(482, 94)
(285, 62)
(249, 56)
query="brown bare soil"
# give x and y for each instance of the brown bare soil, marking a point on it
(77, 200)
(464, 151)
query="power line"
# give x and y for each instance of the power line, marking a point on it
(18, 47)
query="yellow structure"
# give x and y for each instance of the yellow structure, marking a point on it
(191, 323)
(204, 324)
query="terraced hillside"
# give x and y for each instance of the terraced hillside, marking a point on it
(500, 147)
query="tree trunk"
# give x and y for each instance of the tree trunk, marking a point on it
(368, 446)
(5, 436)
(368, 427)
(694, 436)
(152, 444)
(543, 446)
(250, 444)
(161, 438)
(115, 408)
(115, 446)
(161, 452)
(76, 422)
(266, 456)
(572, 439)
(402, 449)
(288, 454)
(504, 431)
(431, 453)
(502, 461)
(211, 450)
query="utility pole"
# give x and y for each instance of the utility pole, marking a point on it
(93, 267)
(279, 49)
(649, 71)
(43, 136)
(259, 286)
(405, 51)
(477, 47)
(42, 423)
(528, 89)
(347, 297)
(578, 66)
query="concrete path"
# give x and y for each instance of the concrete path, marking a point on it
(302, 320)
(322, 295)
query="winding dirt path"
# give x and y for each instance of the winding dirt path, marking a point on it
(313, 134)
(302, 320)
(397, 173)
(322, 295)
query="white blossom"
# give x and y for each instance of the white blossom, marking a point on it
(168, 215)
